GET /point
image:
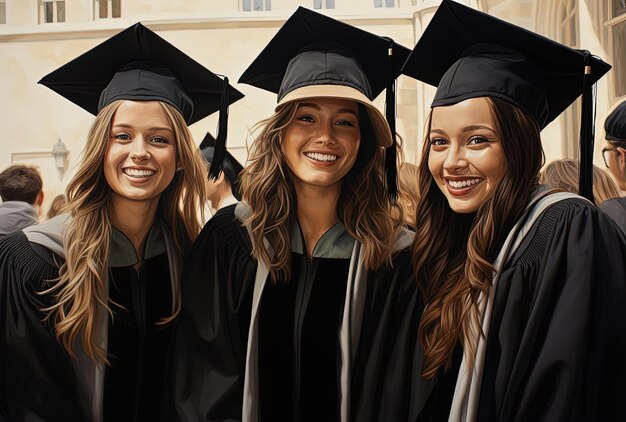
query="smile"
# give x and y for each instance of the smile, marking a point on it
(458, 184)
(325, 158)
(138, 173)
(462, 187)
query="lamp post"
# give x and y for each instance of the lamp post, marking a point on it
(60, 153)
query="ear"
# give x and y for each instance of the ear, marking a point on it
(39, 199)
(621, 158)
(220, 178)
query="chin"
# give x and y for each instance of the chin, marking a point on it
(463, 208)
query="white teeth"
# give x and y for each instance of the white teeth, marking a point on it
(138, 173)
(463, 183)
(321, 157)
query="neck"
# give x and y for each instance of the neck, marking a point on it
(317, 211)
(134, 219)
(223, 192)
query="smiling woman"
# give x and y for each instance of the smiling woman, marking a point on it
(523, 286)
(88, 297)
(466, 157)
(300, 303)
(140, 160)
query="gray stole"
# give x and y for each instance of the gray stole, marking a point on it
(467, 391)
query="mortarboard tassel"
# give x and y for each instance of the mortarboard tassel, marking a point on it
(220, 140)
(587, 129)
(391, 172)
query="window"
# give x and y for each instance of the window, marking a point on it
(105, 9)
(51, 11)
(566, 21)
(3, 11)
(384, 3)
(617, 31)
(256, 5)
(325, 4)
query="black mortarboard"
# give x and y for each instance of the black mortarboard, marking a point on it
(137, 64)
(615, 124)
(231, 168)
(314, 56)
(470, 54)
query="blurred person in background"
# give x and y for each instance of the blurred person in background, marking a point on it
(614, 155)
(563, 174)
(57, 206)
(21, 189)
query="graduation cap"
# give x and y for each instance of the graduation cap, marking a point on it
(615, 124)
(231, 168)
(314, 56)
(139, 65)
(471, 54)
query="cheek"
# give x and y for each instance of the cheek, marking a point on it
(110, 163)
(434, 165)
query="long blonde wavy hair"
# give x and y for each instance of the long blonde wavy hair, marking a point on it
(363, 207)
(80, 290)
(452, 252)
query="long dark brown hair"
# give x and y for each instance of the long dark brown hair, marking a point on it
(453, 253)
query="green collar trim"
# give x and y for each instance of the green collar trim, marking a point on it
(336, 243)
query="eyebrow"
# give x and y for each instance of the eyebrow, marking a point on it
(317, 107)
(465, 129)
(152, 129)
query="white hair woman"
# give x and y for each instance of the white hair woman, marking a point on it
(88, 297)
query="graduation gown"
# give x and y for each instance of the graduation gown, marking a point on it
(556, 341)
(39, 381)
(228, 334)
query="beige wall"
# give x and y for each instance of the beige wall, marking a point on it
(221, 37)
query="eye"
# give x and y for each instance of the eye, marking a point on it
(345, 122)
(159, 140)
(122, 137)
(438, 142)
(477, 140)
(306, 118)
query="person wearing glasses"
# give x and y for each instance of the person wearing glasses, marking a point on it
(614, 156)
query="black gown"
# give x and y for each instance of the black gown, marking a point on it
(298, 350)
(39, 380)
(557, 340)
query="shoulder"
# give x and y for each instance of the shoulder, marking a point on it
(226, 229)
(615, 208)
(24, 262)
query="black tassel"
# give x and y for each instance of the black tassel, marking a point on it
(587, 132)
(220, 140)
(391, 172)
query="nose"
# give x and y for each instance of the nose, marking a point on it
(455, 160)
(324, 134)
(139, 150)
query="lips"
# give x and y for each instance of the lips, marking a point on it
(138, 173)
(321, 157)
(461, 187)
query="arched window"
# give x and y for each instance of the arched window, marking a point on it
(323, 4)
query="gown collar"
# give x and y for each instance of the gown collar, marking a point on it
(123, 252)
(336, 243)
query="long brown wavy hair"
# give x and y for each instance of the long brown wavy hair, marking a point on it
(80, 290)
(453, 252)
(363, 207)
